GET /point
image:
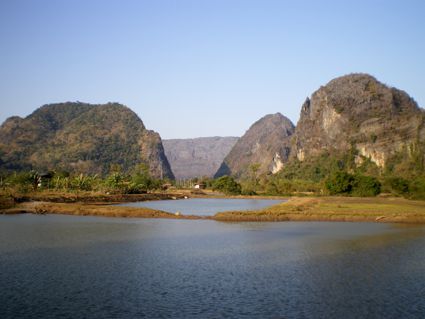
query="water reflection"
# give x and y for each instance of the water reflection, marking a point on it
(205, 206)
(366, 275)
(70, 266)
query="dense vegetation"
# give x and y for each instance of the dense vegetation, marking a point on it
(227, 185)
(326, 174)
(80, 138)
(116, 182)
(333, 174)
(330, 174)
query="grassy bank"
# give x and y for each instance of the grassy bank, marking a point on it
(86, 197)
(335, 209)
(11, 200)
(376, 209)
(84, 209)
(83, 203)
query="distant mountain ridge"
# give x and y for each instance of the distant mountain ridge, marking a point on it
(197, 157)
(83, 138)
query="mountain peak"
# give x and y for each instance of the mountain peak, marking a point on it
(266, 140)
(357, 110)
(81, 137)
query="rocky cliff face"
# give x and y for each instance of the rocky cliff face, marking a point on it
(353, 114)
(358, 112)
(197, 157)
(83, 138)
(266, 143)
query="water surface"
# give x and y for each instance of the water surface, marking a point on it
(205, 206)
(55, 266)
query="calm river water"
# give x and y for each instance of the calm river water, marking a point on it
(205, 206)
(55, 266)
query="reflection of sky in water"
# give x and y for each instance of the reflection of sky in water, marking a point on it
(63, 265)
(205, 206)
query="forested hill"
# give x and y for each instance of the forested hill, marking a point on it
(82, 138)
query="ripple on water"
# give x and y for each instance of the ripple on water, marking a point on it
(205, 206)
(69, 266)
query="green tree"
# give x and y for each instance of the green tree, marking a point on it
(357, 185)
(24, 181)
(398, 184)
(115, 181)
(141, 181)
(365, 186)
(339, 183)
(82, 182)
(227, 185)
(254, 168)
(417, 188)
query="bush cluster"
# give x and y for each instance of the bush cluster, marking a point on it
(357, 185)
(227, 185)
(116, 182)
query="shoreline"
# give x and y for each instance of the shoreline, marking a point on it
(348, 209)
(94, 209)
(342, 209)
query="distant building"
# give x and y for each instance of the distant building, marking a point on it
(200, 186)
(44, 179)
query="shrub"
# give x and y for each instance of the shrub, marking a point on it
(62, 183)
(133, 188)
(340, 183)
(82, 182)
(365, 186)
(281, 186)
(398, 185)
(23, 181)
(141, 181)
(417, 189)
(227, 185)
(115, 181)
(357, 185)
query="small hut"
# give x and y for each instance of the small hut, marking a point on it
(200, 186)
(44, 179)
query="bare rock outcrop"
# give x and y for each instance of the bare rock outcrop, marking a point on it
(360, 113)
(266, 144)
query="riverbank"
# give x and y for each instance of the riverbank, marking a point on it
(376, 209)
(85, 209)
(85, 203)
(87, 197)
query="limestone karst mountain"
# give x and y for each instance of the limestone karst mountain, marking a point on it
(266, 144)
(360, 114)
(354, 114)
(83, 138)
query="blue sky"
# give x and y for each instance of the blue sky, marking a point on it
(202, 68)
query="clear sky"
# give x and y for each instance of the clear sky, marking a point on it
(202, 68)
